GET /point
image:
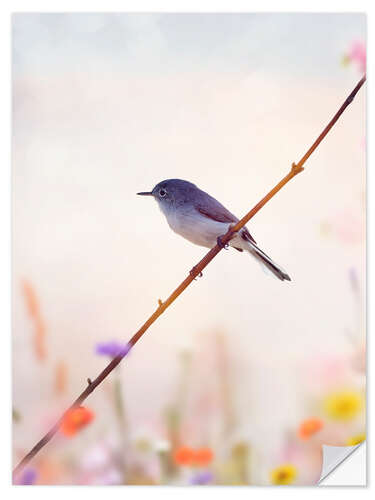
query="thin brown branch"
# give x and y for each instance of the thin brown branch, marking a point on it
(295, 169)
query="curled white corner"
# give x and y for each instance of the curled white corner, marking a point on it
(333, 456)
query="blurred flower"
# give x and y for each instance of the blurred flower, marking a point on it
(187, 456)
(35, 313)
(51, 470)
(75, 419)
(324, 372)
(353, 278)
(140, 479)
(344, 405)
(202, 477)
(284, 474)
(16, 416)
(60, 377)
(162, 445)
(97, 457)
(357, 55)
(309, 427)
(183, 455)
(291, 451)
(357, 439)
(345, 225)
(239, 459)
(203, 456)
(325, 228)
(147, 440)
(240, 451)
(112, 349)
(28, 477)
(101, 464)
(359, 359)
(143, 444)
(109, 477)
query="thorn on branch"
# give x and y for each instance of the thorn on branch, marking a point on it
(160, 302)
(89, 381)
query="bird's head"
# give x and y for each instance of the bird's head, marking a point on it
(170, 191)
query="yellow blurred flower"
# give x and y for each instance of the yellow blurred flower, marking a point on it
(284, 474)
(344, 405)
(345, 60)
(354, 440)
(143, 444)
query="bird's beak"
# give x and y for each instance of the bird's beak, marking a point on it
(145, 193)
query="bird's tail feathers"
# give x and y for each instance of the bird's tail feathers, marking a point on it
(267, 262)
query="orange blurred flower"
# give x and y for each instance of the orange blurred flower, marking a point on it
(60, 377)
(203, 456)
(310, 427)
(188, 456)
(75, 419)
(183, 455)
(35, 313)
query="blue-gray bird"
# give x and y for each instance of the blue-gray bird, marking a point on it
(201, 219)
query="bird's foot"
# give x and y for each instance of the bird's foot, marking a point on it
(193, 272)
(221, 244)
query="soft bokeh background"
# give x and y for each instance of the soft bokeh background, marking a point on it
(106, 105)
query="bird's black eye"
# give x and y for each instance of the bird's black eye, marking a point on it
(162, 193)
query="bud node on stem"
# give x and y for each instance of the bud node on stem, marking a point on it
(296, 168)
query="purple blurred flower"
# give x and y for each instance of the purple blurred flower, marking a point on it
(28, 477)
(203, 477)
(108, 478)
(112, 349)
(353, 277)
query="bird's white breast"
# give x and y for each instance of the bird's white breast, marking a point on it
(195, 227)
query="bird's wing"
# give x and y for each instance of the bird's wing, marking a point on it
(246, 235)
(217, 213)
(214, 210)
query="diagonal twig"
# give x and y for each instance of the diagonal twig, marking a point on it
(295, 169)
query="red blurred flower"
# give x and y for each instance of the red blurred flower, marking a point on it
(310, 427)
(75, 419)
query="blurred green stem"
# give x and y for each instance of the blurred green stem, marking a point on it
(122, 420)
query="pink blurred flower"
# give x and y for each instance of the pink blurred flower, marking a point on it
(325, 371)
(98, 466)
(346, 226)
(357, 55)
(359, 359)
(109, 477)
